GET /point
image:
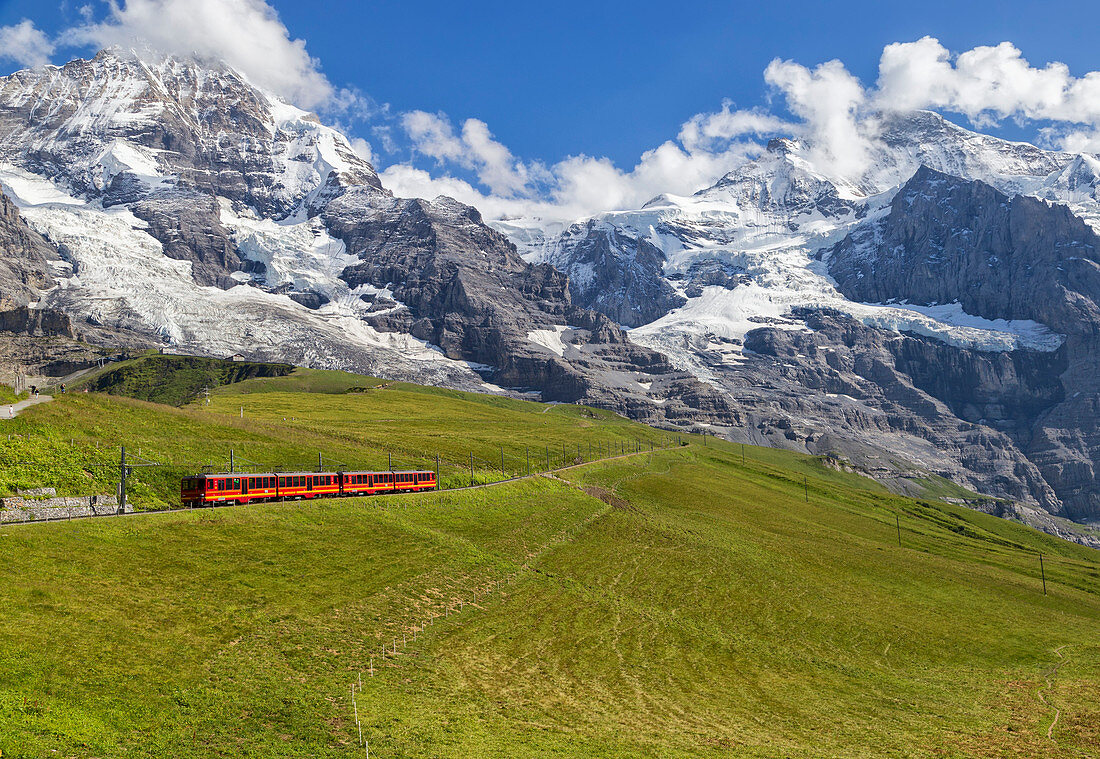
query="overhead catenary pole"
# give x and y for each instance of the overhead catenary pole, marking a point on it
(320, 462)
(437, 471)
(471, 469)
(502, 461)
(1043, 572)
(528, 450)
(897, 520)
(121, 483)
(231, 464)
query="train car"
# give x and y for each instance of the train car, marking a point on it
(215, 489)
(371, 483)
(221, 489)
(308, 484)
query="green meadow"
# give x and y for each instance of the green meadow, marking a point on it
(680, 603)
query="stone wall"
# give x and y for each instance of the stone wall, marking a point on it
(19, 509)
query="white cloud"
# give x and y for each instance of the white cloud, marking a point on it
(829, 100)
(704, 131)
(579, 185)
(25, 44)
(475, 148)
(362, 149)
(245, 34)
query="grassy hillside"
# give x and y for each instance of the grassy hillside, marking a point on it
(674, 604)
(349, 420)
(175, 380)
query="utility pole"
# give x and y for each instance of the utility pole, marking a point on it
(122, 483)
(320, 463)
(1044, 573)
(389, 460)
(806, 488)
(897, 520)
(563, 454)
(471, 469)
(548, 458)
(231, 469)
(437, 471)
(502, 461)
(528, 460)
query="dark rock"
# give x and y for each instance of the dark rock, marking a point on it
(24, 258)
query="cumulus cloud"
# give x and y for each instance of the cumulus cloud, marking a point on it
(829, 100)
(245, 34)
(989, 84)
(474, 148)
(25, 44)
(578, 185)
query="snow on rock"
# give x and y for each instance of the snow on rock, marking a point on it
(109, 251)
(550, 339)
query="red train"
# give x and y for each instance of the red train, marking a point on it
(213, 489)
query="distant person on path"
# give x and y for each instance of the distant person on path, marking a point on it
(62, 388)
(34, 390)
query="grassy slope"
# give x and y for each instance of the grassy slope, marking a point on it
(73, 442)
(698, 606)
(174, 380)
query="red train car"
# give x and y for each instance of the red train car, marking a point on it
(308, 484)
(215, 489)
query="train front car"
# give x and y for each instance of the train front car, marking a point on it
(192, 491)
(222, 489)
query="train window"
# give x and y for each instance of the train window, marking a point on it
(236, 483)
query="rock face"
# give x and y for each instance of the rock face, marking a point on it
(950, 240)
(616, 273)
(24, 258)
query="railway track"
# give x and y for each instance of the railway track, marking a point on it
(496, 483)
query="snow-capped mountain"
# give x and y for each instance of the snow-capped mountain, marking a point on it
(182, 207)
(167, 202)
(787, 305)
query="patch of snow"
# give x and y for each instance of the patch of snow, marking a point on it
(550, 339)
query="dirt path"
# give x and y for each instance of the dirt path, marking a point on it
(1050, 685)
(11, 410)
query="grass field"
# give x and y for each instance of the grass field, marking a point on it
(669, 604)
(351, 421)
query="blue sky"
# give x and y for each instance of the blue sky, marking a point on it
(605, 79)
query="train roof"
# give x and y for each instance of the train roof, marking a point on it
(302, 474)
